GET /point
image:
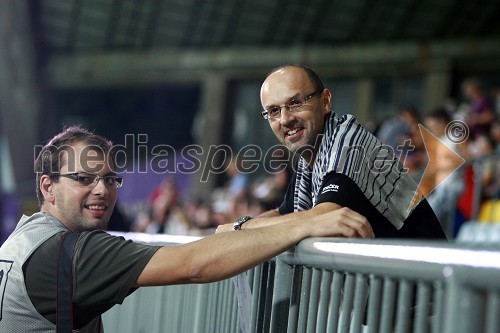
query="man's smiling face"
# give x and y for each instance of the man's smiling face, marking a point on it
(77, 206)
(298, 129)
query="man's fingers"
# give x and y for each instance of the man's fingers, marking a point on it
(358, 222)
(354, 229)
(363, 228)
(350, 223)
(224, 228)
(353, 214)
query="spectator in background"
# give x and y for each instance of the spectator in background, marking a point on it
(231, 198)
(236, 188)
(481, 113)
(490, 210)
(403, 126)
(164, 214)
(481, 147)
(269, 191)
(237, 182)
(496, 100)
(480, 178)
(200, 215)
(495, 135)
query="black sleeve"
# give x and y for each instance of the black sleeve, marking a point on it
(423, 223)
(342, 190)
(286, 206)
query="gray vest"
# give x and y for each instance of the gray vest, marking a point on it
(17, 313)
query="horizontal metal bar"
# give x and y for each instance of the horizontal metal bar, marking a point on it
(391, 257)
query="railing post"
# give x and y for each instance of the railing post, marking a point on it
(314, 297)
(255, 281)
(269, 292)
(324, 300)
(464, 305)
(304, 298)
(374, 297)
(360, 303)
(335, 302)
(423, 310)
(201, 307)
(388, 300)
(283, 278)
(347, 303)
(293, 314)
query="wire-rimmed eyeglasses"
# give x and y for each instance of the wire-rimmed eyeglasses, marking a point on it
(90, 179)
(274, 112)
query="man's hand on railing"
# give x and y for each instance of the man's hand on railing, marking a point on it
(343, 222)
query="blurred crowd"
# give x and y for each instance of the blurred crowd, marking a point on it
(469, 130)
(452, 193)
(166, 211)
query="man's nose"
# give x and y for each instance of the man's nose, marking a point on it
(100, 187)
(285, 115)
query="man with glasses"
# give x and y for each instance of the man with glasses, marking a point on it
(340, 164)
(60, 268)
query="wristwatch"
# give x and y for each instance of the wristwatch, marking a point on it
(239, 222)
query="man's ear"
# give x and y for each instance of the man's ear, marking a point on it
(47, 188)
(326, 101)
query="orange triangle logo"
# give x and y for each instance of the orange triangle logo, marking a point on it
(442, 159)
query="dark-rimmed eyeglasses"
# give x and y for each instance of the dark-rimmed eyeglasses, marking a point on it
(89, 179)
(274, 112)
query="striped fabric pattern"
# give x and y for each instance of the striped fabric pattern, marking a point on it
(302, 191)
(349, 149)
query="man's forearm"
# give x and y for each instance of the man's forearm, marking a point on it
(241, 250)
(219, 256)
(272, 219)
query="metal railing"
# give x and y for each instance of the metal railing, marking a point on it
(390, 286)
(335, 285)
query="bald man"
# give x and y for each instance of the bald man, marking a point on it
(340, 164)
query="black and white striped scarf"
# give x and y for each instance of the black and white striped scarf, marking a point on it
(349, 149)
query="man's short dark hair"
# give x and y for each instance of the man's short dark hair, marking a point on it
(48, 161)
(313, 77)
